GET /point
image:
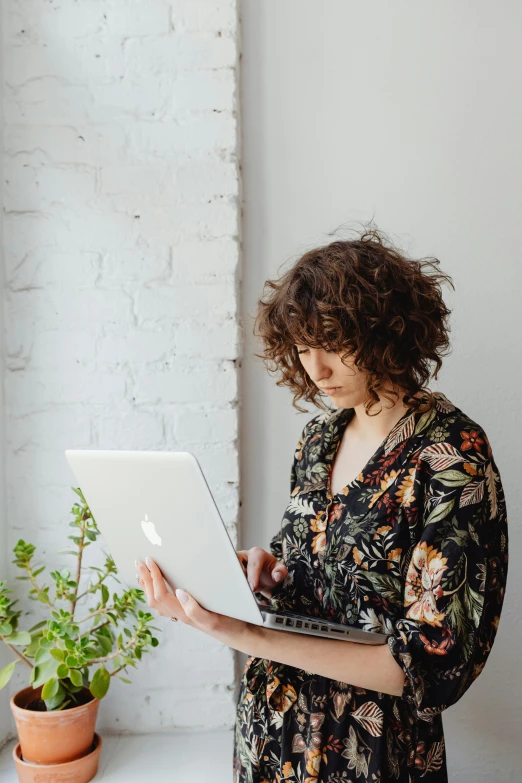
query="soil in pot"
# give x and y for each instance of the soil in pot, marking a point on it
(38, 705)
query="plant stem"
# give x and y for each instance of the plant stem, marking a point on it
(78, 566)
(98, 612)
(18, 654)
(97, 627)
(93, 587)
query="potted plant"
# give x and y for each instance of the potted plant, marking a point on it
(71, 656)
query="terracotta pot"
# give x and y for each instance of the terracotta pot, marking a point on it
(53, 737)
(79, 771)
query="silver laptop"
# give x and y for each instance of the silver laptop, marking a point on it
(158, 504)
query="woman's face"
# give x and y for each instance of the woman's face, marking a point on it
(343, 383)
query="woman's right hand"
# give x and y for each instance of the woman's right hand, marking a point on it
(263, 570)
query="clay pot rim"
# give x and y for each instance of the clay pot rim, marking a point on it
(47, 715)
(17, 757)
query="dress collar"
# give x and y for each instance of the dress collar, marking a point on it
(407, 426)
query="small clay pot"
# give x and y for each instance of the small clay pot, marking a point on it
(54, 737)
(79, 771)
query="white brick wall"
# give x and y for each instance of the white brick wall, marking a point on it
(5, 655)
(121, 246)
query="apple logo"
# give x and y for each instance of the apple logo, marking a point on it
(149, 528)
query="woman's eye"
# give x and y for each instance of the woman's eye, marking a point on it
(303, 350)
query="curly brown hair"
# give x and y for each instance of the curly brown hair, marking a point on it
(362, 297)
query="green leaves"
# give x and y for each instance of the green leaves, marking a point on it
(42, 595)
(23, 553)
(58, 696)
(20, 638)
(105, 594)
(110, 636)
(105, 643)
(65, 587)
(50, 688)
(62, 671)
(43, 672)
(38, 626)
(43, 652)
(79, 493)
(6, 673)
(100, 682)
(76, 677)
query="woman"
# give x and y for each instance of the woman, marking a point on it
(396, 523)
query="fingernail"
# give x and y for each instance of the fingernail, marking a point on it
(136, 564)
(148, 561)
(251, 584)
(278, 576)
(182, 596)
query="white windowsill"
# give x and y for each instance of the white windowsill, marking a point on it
(180, 757)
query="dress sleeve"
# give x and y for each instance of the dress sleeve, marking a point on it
(456, 576)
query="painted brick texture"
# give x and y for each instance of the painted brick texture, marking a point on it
(121, 229)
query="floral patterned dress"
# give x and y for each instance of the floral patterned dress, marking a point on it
(417, 547)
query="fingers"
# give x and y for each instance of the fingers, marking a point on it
(158, 582)
(256, 557)
(200, 617)
(146, 583)
(156, 592)
(263, 569)
(280, 572)
(182, 606)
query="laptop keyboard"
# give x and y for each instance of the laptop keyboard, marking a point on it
(303, 622)
(289, 621)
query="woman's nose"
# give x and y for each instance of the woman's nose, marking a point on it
(320, 372)
(317, 366)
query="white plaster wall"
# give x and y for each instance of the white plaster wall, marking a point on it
(405, 112)
(121, 239)
(4, 656)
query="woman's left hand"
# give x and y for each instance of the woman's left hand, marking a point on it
(183, 607)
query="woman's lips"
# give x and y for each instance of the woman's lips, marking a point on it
(331, 389)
